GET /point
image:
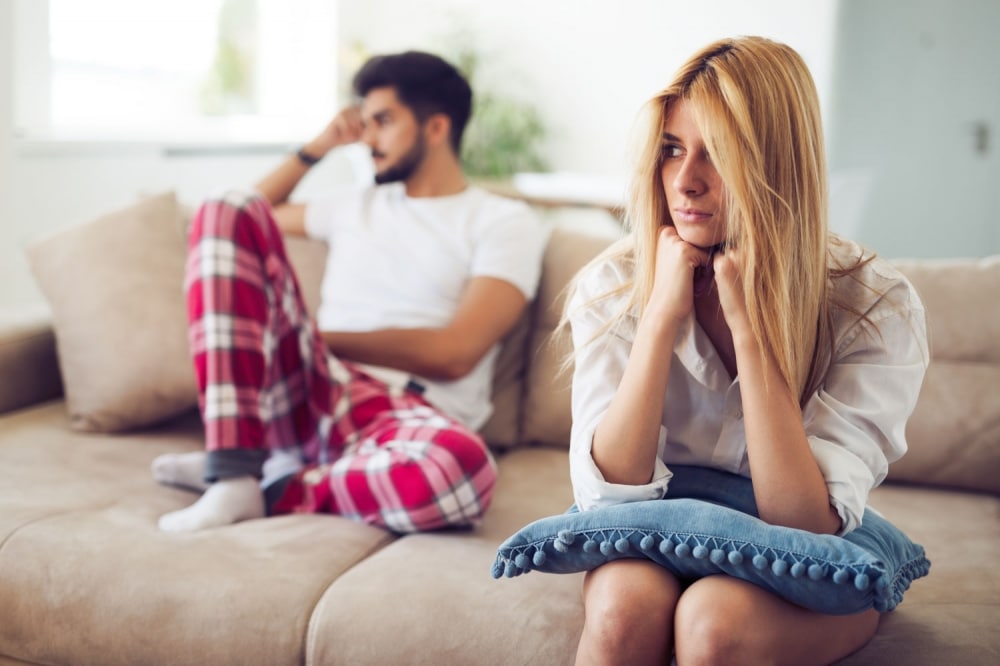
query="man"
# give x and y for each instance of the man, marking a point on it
(373, 414)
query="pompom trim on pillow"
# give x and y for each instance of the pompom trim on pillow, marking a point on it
(871, 567)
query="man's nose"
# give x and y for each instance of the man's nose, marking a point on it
(368, 135)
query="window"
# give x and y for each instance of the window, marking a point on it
(183, 70)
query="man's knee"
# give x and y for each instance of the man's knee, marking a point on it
(450, 484)
(232, 215)
(439, 484)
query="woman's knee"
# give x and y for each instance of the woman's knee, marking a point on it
(723, 620)
(710, 623)
(629, 607)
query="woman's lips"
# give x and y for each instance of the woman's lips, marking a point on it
(691, 215)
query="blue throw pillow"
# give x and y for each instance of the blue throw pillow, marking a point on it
(708, 525)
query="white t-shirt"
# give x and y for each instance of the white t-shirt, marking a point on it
(401, 262)
(854, 422)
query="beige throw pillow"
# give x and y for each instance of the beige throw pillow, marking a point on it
(115, 288)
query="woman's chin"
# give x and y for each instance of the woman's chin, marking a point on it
(702, 241)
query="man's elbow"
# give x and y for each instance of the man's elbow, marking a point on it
(453, 363)
(455, 368)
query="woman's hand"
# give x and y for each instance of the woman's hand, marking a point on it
(673, 283)
(729, 281)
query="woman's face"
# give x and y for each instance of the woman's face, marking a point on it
(692, 186)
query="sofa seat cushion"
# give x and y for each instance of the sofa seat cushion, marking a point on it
(81, 557)
(429, 598)
(49, 470)
(960, 532)
(110, 588)
(949, 617)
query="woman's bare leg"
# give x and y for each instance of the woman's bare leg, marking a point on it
(724, 620)
(629, 608)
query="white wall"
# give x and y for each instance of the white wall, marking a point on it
(909, 81)
(46, 186)
(916, 114)
(52, 188)
(10, 268)
(589, 64)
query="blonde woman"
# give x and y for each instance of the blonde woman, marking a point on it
(729, 329)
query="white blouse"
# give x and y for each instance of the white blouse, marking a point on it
(854, 422)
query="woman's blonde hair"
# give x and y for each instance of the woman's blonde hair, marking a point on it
(756, 106)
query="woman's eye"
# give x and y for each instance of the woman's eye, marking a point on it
(670, 150)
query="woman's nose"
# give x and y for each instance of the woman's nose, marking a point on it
(689, 179)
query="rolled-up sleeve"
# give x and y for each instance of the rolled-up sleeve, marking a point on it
(856, 421)
(600, 364)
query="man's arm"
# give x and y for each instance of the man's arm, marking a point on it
(488, 310)
(278, 185)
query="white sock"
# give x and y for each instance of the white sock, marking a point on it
(181, 469)
(224, 503)
(281, 463)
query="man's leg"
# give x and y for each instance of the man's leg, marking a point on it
(405, 466)
(260, 363)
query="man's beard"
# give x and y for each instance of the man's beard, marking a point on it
(405, 166)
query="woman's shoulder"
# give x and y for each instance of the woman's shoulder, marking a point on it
(867, 287)
(601, 290)
(608, 271)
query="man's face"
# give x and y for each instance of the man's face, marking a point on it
(394, 135)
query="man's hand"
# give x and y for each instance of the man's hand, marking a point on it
(345, 128)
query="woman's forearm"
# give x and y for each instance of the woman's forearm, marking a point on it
(625, 442)
(788, 485)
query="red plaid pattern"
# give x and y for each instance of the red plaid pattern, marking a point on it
(266, 380)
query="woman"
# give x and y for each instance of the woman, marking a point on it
(730, 330)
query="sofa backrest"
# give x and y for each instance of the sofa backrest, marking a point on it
(546, 410)
(954, 433)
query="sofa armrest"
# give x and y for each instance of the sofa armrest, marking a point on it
(28, 362)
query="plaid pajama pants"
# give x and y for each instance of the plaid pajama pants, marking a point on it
(267, 381)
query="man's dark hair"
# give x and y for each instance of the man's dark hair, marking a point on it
(423, 82)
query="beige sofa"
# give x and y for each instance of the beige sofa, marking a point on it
(86, 577)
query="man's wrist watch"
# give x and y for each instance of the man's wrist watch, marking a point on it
(306, 158)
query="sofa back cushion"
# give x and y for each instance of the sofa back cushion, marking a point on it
(547, 416)
(954, 433)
